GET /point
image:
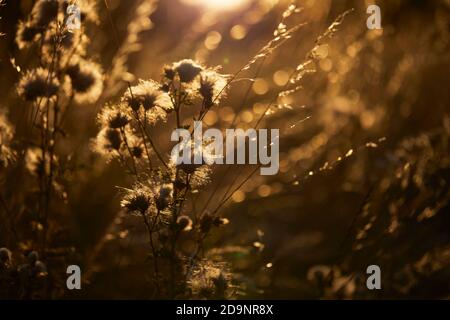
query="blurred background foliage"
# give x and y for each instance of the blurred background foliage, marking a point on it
(364, 155)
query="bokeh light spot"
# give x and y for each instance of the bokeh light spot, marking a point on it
(238, 196)
(280, 77)
(264, 190)
(238, 32)
(212, 40)
(260, 86)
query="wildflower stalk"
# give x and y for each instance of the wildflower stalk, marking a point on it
(147, 153)
(244, 101)
(150, 230)
(125, 140)
(155, 149)
(146, 134)
(175, 211)
(49, 145)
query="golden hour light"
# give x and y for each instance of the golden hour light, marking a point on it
(218, 4)
(223, 154)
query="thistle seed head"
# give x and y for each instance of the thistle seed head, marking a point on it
(164, 195)
(37, 84)
(5, 255)
(187, 70)
(184, 223)
(26, 34)
(113, 138)
(136, 201)
(86, 80)
(44, 12)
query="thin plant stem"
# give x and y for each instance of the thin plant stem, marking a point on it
(152, 246)
(125, 140)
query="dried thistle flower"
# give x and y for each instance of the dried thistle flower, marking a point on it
(189, 168)
(187, 70)
(5, 255)
(210, 280)
(119, 120)
(137, 151)
(86, 79)
(114, 139)
(212, 86)
(220, 284)
(37, 83)
(169, 72)
(136, 200)
(200, 177)
(107, 141)
(114, 116)
(6, 136)
(44, 12)
(163, 196)
(184, 223)
(26, 34)
(147, 94)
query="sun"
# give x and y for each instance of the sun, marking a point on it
(217, 4)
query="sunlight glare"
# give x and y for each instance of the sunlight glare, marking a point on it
(218, 4)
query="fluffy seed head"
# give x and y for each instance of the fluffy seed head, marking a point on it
(169, 72)
(119, 120)
(7, 154)
(137, 151)
(106, 142)
(5, 255)
(184, 223)
(212, 86)
(36, 84)
(164, 195)
(44, 12)
(114, 116)
(147, 94)
(136, 201)
(86, 80)
(148, 99)
(113, 138)
(26, 33)
(187, 70)
(210, 280)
